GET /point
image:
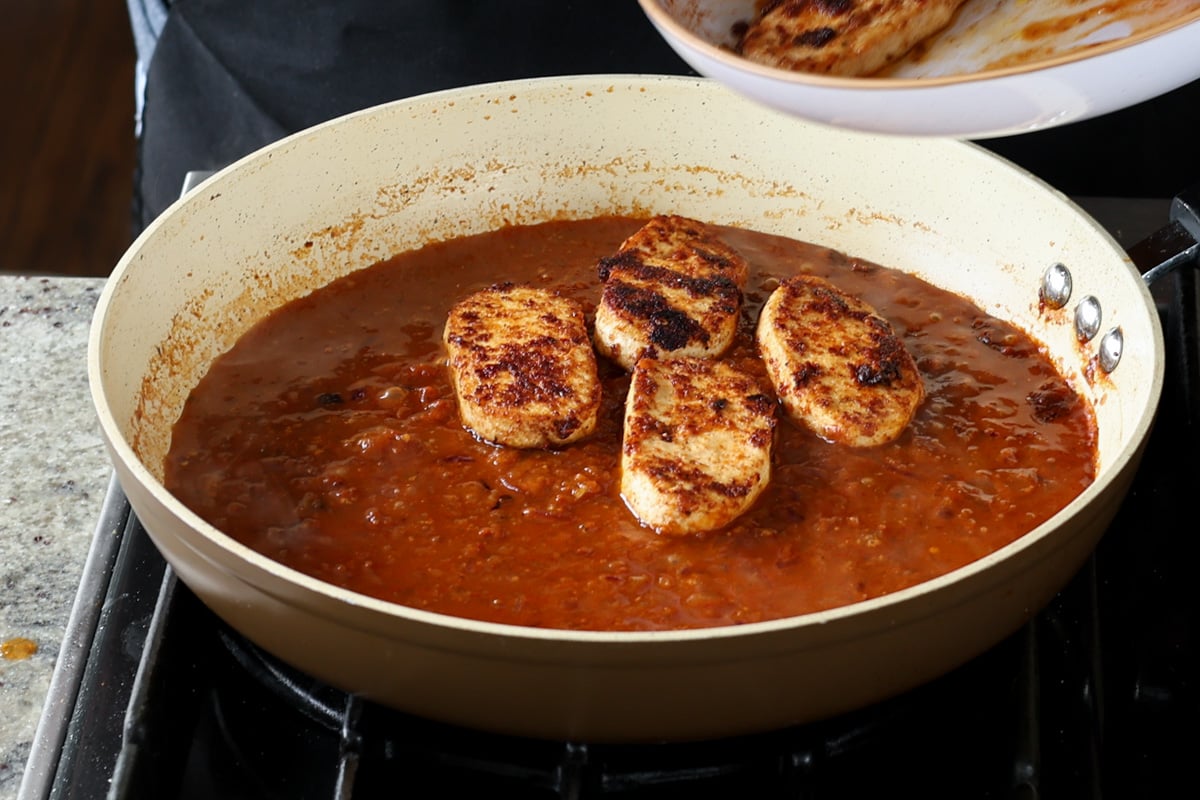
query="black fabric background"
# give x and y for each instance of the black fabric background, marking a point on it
(1148, 150)
(229, 76)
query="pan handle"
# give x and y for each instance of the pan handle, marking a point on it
(1170, 247)
(1176, 243)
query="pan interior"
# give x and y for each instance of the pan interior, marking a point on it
(342, 196)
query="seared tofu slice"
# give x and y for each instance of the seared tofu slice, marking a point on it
(842, 37)
(652, 312)
(697, 444)
(684, 245)
(522, 365)
(673, 289)
(837, 366)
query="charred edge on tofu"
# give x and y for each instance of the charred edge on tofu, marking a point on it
(625, 259)
(887, 358)
(721, 287)
(692, 483)
(667, 240)
(721, 263)
(668, 328)
(564, 428)
(815, 38)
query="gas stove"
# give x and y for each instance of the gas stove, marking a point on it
(155, 697)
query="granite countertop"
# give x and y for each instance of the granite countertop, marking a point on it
(56, 472)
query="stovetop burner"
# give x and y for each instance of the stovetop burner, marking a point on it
(1095, 696)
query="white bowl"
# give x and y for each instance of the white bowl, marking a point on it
(982, 77)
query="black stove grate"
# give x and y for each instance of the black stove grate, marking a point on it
(1094, 697)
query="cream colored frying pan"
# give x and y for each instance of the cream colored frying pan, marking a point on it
(343, 195)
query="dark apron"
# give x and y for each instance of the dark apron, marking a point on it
(229, 76)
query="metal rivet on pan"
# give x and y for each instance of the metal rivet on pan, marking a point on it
(1087, 318)
(1111, 345)
(1056, 286)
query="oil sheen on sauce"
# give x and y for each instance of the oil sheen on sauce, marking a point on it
(328, 439)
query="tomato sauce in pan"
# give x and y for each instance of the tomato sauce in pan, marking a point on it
(328, 439)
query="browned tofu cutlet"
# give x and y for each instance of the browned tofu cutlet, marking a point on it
(837, 366)
(684, 245)
(842, 37)
(522, 366)
(696, 451)
(672, 289)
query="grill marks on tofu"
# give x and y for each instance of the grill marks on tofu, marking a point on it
(696, 450)
(684, 245)
(837, 366)
(842, 37)
(522, 366)
(673, 289)
(651, 312)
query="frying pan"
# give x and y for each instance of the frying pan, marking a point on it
(341, 196)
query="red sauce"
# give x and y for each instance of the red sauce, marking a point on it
(328, 439)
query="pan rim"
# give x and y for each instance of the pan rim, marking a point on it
(253, 565)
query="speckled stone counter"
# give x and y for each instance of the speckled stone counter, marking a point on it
(55, 474)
